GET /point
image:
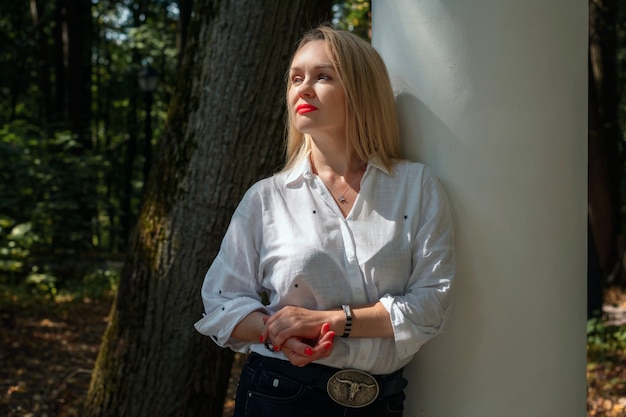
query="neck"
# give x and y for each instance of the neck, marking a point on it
(342, 176)
(335, 162)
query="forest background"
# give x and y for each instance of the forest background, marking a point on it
(85, 91)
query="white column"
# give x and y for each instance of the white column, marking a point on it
(493, 97)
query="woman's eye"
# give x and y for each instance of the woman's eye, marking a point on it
(297, 79)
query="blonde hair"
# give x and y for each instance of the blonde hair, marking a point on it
(371, 120)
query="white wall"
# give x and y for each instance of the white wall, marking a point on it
(493, 97)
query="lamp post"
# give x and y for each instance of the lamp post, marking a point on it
(148, 80)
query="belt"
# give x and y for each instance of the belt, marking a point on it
(352, 385)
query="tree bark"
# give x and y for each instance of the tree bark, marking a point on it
(224, 132)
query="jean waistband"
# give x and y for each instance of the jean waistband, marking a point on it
(317, 375)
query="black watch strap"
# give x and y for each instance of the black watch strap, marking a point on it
(348, 312)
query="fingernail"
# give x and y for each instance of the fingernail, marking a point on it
(261, 339)
(332, 337)
(325, 327)
(329, 346)
(308, 351)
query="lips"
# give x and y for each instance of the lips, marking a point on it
(305, 108)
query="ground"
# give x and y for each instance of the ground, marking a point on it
(48, 350)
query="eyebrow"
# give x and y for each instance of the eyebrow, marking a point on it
(320, 66)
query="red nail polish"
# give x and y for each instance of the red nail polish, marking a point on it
(325, 327)
(308, 351)
(261, 339)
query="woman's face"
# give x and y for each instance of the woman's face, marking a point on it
(316, 96)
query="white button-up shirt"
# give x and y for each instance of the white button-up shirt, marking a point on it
(288, 239)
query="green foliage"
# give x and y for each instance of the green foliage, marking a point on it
(18, 91)
(40, 289)
(15, 248)
(355, 16)
(20, 170)
(65, 185)
(606, 354)
(67, 198)
(42, 284)
(20, 174)
(43, 185)
(99, 283)
(604, 341)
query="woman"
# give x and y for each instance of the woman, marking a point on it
(348, 241)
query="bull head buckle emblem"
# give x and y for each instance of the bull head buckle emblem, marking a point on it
(352, 388)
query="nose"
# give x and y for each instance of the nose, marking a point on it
(305, 88)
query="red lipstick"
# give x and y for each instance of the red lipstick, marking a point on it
(305, 108)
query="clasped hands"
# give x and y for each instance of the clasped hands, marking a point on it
(302, 335)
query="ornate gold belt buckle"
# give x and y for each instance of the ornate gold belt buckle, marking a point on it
(352, 388)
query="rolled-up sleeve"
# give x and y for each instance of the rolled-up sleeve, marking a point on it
(420, 313)
(231, 286)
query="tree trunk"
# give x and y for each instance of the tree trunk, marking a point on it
(604, 133)
(185, 8)
(59, 34)
(224, 131)
(79, 37)
(73, 52)
(132, 139)
(43, 64)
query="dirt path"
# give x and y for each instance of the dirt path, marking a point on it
(47, 354)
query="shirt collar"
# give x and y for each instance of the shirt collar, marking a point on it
(375, 162)
(303, 169)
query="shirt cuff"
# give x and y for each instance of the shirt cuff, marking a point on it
(408, 336)
(220, 323)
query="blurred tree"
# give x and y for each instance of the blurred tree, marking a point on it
(224, 132)
(70, 113)
(45, 121)
(69, 116)
(185, 7)
(130, 35)
(605, 137)
(19, 55)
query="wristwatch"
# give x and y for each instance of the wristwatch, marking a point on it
(348, 312)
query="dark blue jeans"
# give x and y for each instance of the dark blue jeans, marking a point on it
(267, 392)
